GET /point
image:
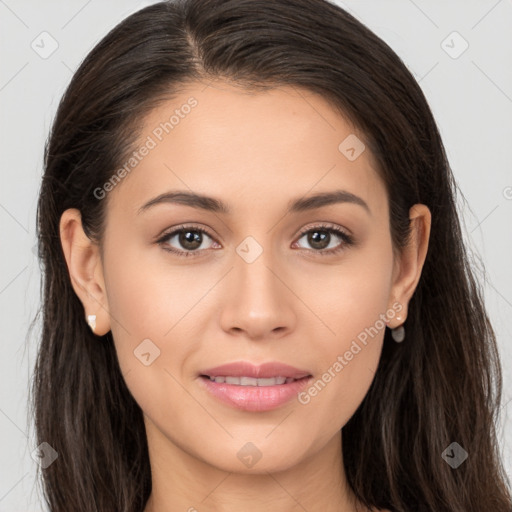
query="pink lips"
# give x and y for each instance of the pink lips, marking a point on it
(244, 368)
(250, 397)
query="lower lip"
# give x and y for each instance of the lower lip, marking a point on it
(255, 398)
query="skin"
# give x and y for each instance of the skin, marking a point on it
(255, 152)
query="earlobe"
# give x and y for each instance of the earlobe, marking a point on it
(85, 269)
(412, 257)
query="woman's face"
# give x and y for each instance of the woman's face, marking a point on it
(268, 281)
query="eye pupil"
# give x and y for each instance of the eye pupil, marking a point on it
(190, 242)
(318, 241)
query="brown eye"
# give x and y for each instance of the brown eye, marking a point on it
(320, 238)
(185, 241)
(190, 240)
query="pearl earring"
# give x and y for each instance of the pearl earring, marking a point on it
(91, 320)
(398, 334)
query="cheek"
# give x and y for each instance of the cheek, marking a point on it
(353, 310)
(146, 293)
(153, 308)
(349, 362)
(137, 300)
(146, 331)
(351, 297)
(142, 299)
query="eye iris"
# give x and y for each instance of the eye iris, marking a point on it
(318, 241)
(190, 242)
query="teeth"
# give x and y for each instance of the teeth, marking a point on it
(251, 381)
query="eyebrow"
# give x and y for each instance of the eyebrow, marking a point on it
(212, 204)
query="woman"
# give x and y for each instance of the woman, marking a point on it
(256, 291)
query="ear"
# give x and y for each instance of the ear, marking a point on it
(407, 269)
(85, 268)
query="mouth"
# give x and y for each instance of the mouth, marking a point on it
(253, 394)
(252, 381)
(247, 370)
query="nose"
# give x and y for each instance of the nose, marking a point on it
(258, 302)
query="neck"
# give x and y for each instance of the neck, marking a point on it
(182, 481)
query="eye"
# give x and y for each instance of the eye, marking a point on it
(320, 238)
(189, 238)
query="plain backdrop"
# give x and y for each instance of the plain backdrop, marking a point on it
(459, 51)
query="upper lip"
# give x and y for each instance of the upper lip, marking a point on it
(247, 369)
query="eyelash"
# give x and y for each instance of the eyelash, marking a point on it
(347, 240)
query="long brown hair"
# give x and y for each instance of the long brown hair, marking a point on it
(442, 385)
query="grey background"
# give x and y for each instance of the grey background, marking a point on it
(470, 95)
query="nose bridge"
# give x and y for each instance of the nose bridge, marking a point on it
(258, 302)
(255, 279)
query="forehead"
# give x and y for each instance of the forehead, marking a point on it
(223, 140)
